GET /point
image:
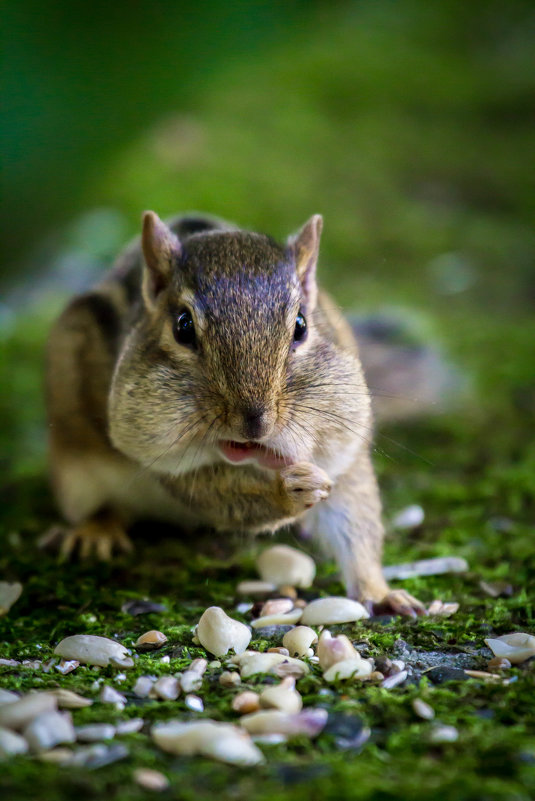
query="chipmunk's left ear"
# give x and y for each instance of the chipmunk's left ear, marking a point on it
(305, 247)
(161, 248)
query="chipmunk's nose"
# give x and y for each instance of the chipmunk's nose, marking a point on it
(255, 421)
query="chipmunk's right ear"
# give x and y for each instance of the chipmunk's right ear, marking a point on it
(305, 247)
(160, 248)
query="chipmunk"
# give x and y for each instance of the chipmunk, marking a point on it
(208, 381)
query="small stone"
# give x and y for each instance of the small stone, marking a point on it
(353, 668)
(324, 611)
(143, 686)
(281, 619)
(298, 640)
(376, 676)
(67, 666)
(442, 673)
(214, 664)
(244, 607)
(277, 606)
(48, 730)
(440, 609)
(130, 726)
(119, 678)
(278, 650)
(516, 647)
(499, 663)
(310, 722)
(443, 734)
(283, 696)
(219, 633)
(94, 732)
(394, 680)
(282, 565)
(252, 662)
(98, 756)
(142, 607)
(167, 688)
(246, 702)
(255, 588)
(57, 756)
(90, 649)
(18, 714)
(287, 669)
(410, 517)
(68, 700)
(221, 741)
(334, 649)
(426, 567)
(165, 659)
(109, 695)
(33, 664)
(194, 702)
(151, 779)
(8, 662)
(9, 593)
(151, 641)
(191, 679)
(230, 678)
(422, 709)
(11, 743)
(397, 666)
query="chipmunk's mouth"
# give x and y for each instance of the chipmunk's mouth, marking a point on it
(238, 452)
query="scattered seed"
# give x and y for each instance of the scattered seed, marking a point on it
(516, 647)
(499, 663)
(281, 619)
(143, 686)
(221, 741)
(194, 702)
(90, 649)
(324, 611)
(191, 679)
(109, 695)
(252, 662)
(299, 640)
(334, 649)
(67, 666)
(218, 633)
(11, 743)
(394, 680)
(68, 700)
(497, 589)
(230, 678)
(167, 688)
(376, 676)
(310, 722)
(94, 732)
(354, 668)
(410, 517)
(7, 697)
(277, 606)
(440, 609)
(255, 587)
(283, 696)
(18, 714)
(426, 567)
(443, 734)
(49, 729)
(283, 565)
(150, 779)
(151, 640)
(287, 591)
(130, 726)
(9, 662)
(279, 650)
(246, 702)
(422, 709)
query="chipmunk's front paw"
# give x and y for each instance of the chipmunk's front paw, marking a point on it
(304, 485)
(97, 538)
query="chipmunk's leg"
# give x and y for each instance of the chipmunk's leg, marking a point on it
(97, 537)
(349, 524)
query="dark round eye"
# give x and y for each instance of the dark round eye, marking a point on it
(184, 329)
(300, 328)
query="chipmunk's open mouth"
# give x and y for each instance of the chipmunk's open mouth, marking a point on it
(237, 452)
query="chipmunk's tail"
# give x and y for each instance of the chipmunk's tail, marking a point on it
(406, 377)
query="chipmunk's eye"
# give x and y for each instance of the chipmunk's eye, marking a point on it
(300, 328)
(184, 329)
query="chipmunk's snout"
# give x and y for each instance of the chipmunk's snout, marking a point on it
(256, 422)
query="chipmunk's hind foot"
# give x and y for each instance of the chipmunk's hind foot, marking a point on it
(97, 538)
(399, 602)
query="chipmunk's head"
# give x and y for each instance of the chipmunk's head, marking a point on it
(227, 339)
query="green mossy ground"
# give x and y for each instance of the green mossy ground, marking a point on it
(411, 156)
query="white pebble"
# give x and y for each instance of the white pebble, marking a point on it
(422, 709)
(252, 662)
(230, 678)
(18, 714)
(246, 702)
(66, 666)
(443, 734)
(255, 587)
(282, 696)
(324, 611)
(221, 741)
(280, 619)
(7, 697)
(310, 722)
(219, 633)
(410, 517)
(11, 743)
(150, 779)
(130, 726)
(194, 702)
(48, 730)
(90, 649)
(516, 647)
(109, 695)
(68, 700)
(281, 564)
(167, 688)
(151, 640)
(394, 680)
(299, 640)
(356, 668)
(143, 686)
(94, 732)
(334, 649)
